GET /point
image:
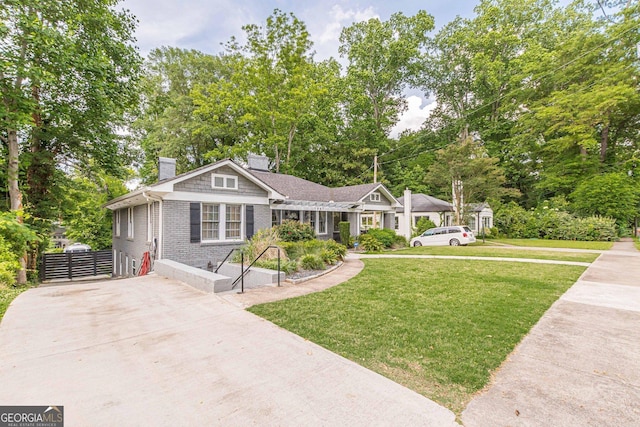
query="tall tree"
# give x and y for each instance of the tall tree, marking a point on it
(385, 58)
(68, 75)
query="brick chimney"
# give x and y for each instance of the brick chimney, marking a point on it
(166, 168)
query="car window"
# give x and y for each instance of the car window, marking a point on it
(454, 230)
(467, 229)
(441, 231)
(429, 232)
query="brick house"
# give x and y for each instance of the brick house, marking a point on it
(197, 217)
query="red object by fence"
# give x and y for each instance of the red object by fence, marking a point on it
(146, 264)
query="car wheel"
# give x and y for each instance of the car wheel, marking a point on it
(417, 243)
(454, 242)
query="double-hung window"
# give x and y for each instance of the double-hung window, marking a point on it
(210, 222)
(234, 222)
(322, 222)
(221, 222)
(117, 220)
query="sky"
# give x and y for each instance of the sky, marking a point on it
(205, 25)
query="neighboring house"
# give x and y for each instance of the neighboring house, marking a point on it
(439, 211)
(198, 217)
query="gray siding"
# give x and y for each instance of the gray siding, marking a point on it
(176, 231)
(383, 203)
(202, 184)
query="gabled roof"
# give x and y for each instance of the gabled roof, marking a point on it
(424, 203)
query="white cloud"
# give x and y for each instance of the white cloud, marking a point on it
(414, 117)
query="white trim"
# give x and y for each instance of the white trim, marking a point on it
(184, 196)
(375, 197)
(149, 221)
(222, 223)
(118, 215)
(130, 222)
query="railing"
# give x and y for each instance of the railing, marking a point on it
(225, 259)
(244, 272)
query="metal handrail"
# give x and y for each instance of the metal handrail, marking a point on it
(225, 259)
(244, 272)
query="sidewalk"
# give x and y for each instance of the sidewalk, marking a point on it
(580, 365)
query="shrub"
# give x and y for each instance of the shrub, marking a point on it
(9, 264)
(328, 257)
(339, 250)
(294, 231)
(312, 262)
(423, 225)
(370, 243)
(285, 265)
(313, 247)
(345, 233)
(399, 241)
(384, 236)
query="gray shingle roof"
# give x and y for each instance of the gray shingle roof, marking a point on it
(423, 203)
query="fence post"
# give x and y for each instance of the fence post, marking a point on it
(70, 260)
(278, 267)
(242, 272)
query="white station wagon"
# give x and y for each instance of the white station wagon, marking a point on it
(453, 235)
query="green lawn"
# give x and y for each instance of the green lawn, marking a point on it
(542, 243)
(8, 294)
(439, 327)
(496, 251)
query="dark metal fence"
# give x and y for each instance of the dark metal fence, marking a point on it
(76, 264)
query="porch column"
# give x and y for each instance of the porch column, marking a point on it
(408, 223)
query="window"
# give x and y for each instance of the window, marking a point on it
(225, 182)
(472, 222)
(234, 222)
(117, 220)
(366, 221)
(276, 218)
(149, 222)
(322, 223)
(130, 223)
(221, 222)
(486, 221)
(374, 197)
(210, 222)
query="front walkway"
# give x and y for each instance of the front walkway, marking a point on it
(580, 365)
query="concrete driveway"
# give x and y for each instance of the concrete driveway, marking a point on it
(150, 351)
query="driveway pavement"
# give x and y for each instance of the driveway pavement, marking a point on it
(580, 364)
(151, 351)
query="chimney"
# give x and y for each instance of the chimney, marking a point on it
(408, 220)
(166, 168)
(259, 163)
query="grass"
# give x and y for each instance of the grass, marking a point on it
(7, 295)
(439, 327)
(496, 251)
(542, 243)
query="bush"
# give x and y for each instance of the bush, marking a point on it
(285, 265)
(294, 231)
(9, 264)
(312, 262)
(336, 248)
(384, 236)
(423, 225)
(370, 243)
(399, 241)
(328, 257)
(258, 243)
(345, 233)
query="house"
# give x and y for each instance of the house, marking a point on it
(198, 217)
(440, 212)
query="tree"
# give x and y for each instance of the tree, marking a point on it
(68, 75)
(465, 173)
(384, 58)
(614, 195)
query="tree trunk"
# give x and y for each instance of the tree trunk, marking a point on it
(15, 195)
(604, 143)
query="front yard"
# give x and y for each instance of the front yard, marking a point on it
(439, 327)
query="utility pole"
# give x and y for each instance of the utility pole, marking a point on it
(375, 169)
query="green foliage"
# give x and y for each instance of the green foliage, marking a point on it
(345, 233)
(423, 225)
(295, 231)
(612, 195)
(260, 241)
(9, 264)
(546, 222)
(337, 249)
(328, 257)
(370, 243)
(385, 236)
(288, 266)
(15, 239)
(312, 262)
